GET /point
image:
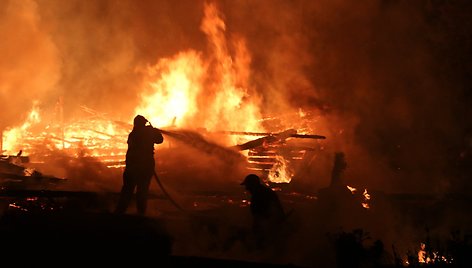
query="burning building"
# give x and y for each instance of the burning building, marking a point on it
(269, 87)
(207, 92)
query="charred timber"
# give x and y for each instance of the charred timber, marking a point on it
(34, 177)
(272, 138)
(292, 135)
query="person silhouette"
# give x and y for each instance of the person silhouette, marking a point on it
(267, 211)
(140, 165)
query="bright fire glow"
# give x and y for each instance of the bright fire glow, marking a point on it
(191, 90)
(91, 137)
(352, 189)
(432, 257)
(186, 90)
(281, 171)
(194, 92)
(366, 195)
(171, 95)
(12, 137)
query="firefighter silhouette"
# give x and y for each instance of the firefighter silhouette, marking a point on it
(140, 165)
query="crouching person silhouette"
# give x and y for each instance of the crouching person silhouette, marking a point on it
(268, 216)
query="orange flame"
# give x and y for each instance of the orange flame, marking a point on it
(171, 96)
(281, 171)
(190, 91)
(187, 90)
(352, 189)
(366, 195)
(13, 137)
(98, 137)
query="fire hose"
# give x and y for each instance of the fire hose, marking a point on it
(159, 181)
(166, 193)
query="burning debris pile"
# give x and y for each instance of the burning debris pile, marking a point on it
(14, 174)
(232, 93)
(276, 156)
(183, 94)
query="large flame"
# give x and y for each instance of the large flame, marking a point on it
(208, 90)
(281, 171)
(212, 92)
(13, 137)
(189, 90)
(97, 137)
(170, 97)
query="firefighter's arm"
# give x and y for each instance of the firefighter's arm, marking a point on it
(158, 138)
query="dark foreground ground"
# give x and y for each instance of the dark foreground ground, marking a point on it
(331, 229)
